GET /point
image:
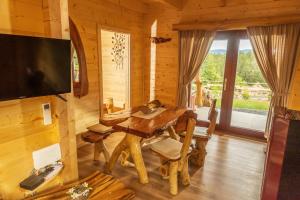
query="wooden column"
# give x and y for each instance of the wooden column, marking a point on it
(56, 21)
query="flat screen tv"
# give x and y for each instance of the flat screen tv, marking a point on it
(33, 66)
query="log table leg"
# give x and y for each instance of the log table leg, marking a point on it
(115, 155)
(103, 149)
(134, 144)
(96, 152)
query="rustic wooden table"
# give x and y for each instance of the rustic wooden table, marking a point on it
(138, 128)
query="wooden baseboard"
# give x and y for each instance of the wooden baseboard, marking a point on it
(239, 135)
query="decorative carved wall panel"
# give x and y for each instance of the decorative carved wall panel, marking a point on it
(118, 50)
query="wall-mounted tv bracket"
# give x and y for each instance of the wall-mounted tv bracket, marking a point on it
(61, 97)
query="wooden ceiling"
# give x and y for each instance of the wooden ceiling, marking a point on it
(134, 5)
(237, 24)
(174, 3)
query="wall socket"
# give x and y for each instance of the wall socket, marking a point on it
(47, 113)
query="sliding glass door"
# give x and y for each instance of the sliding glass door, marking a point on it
(210, 80)
(231, 75)
(251, 93)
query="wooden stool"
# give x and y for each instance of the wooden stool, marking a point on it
(99, 146)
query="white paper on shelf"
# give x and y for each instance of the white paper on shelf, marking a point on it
(46, 156)
(56, 170)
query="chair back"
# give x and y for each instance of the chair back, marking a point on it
(212, 109)
(213, 122)
(187, 142)
(182, 122)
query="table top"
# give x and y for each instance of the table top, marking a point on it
(147, 128)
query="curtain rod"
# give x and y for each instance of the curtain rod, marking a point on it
(237, 24)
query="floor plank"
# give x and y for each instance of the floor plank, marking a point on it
(233, 171)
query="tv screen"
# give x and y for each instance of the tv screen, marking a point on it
(33, 66)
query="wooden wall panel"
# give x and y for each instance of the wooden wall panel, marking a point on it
(56, 23)
(21, 128)
(21, 121)
(165, 55)
(197, 11)
(88, 15)
(20, 20)
(86, 109)
(294, 101)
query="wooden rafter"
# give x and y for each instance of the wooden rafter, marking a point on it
(137, 6)
(174, 3)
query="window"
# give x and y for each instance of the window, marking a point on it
(210, 78)
(251, 92)
(79, 68)
(231, 75)
(75, 65)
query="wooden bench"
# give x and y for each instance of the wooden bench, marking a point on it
(99, 146)
(96, 135)
(104, 187)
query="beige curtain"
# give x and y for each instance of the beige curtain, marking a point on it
(275, 49)
(194, 46)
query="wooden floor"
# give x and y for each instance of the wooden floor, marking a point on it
(233, 171)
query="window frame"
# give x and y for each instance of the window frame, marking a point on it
(80, 88)
(231, 62)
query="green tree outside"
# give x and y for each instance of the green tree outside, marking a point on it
(248, 76)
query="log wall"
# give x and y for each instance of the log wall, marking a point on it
(21, 121)
(91, 15)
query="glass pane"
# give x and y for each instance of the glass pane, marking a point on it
(251, 93)
(211, 80)
(75, 65)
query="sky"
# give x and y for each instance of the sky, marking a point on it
(222, 44)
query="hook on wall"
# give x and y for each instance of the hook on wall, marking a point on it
(158, 40)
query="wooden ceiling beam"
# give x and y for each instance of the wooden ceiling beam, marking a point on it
(174, 3)
(237, 24)
(134, 5)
